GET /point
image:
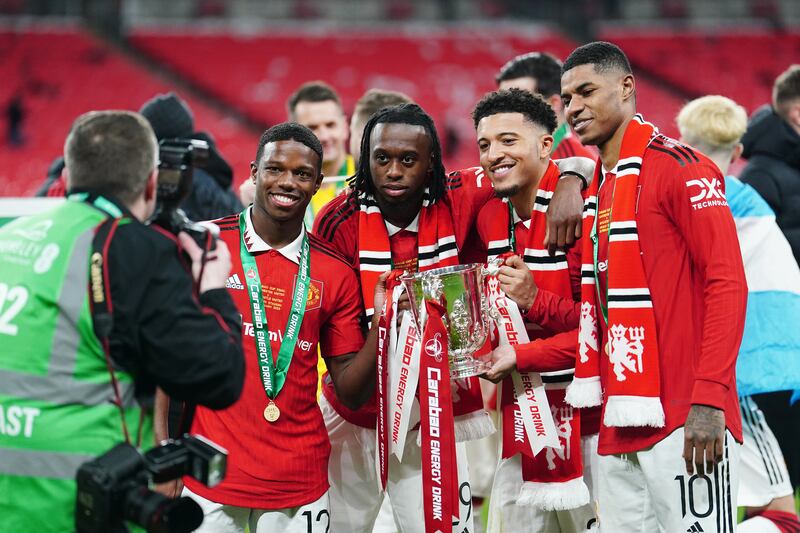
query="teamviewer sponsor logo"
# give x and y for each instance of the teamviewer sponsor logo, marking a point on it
(233, 282)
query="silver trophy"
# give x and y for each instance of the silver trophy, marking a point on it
(460, 290)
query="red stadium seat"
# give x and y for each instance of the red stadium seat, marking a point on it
(741, 65)
(64, 73)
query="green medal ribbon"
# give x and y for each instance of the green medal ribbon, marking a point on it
(273, 376)
(559, 135)
(596, 247)
(512, 236)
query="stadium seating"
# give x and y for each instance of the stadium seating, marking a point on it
(63, 73)
(445, 71)
(741, 65)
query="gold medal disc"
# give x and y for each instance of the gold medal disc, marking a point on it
(271, 412)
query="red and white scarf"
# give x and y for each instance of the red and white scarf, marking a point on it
(436, 242)
(437, 248)
(553, 480)
(632, 386)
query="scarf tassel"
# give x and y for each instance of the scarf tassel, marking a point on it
(556, 496)
(585, 392)
(473, 426)
(633, 411)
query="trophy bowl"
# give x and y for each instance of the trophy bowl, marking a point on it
(459, 290)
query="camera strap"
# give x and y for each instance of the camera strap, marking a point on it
(100, 303)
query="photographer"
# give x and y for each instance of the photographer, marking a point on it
(210, 195)
(72, 382)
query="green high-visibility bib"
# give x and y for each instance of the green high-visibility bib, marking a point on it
(56, 409)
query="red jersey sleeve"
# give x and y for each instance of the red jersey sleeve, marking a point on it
(548, 355)
(341, 332)
(558, 314)
(337, 224)
(555, 312)
(694, 199)
(467, 192)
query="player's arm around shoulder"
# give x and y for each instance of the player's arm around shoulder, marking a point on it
(336, 224)
(565, 210)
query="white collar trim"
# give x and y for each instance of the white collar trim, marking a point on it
(256, 244)
(412, 227)
(516, 219)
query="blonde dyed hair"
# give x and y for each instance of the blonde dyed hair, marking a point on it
(712, 123)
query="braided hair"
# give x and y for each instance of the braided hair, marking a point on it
(411, 114)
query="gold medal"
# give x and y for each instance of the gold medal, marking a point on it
(271, 412)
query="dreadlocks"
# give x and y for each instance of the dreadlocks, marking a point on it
(413, 115)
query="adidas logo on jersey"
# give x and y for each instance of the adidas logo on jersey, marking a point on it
(696, 528)
(233, 282)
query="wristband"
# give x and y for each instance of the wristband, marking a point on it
(584, 182)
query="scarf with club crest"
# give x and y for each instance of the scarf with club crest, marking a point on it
(437, 248)
(552, 476)
(632, 387)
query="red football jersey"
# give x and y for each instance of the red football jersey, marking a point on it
(285, 463)
(554, 340)
(693, 265)
(337, 223)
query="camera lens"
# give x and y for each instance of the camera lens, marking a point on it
(159, 514)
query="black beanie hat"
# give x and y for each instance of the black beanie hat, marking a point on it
(169, 116)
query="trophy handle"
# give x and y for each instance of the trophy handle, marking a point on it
(491, 268)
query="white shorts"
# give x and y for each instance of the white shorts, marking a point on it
(482, 457)
(505, 516)
(762, 469)
(649, 490)
(354, 494)
(218, 518)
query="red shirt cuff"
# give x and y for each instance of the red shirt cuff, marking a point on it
(709, 393)
(538, 307)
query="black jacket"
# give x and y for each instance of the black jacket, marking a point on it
(772, 150)
(161, 333)
(211, 196)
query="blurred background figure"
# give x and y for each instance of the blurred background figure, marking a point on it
(15, 114)
(772, 148)
(370, 103)
(211, 195)
(769, 356)
(316, 106)
(540, 73)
